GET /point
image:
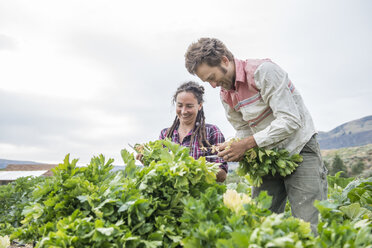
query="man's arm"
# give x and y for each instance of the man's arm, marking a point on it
(236, 120)
(275, 90)
(243, 132)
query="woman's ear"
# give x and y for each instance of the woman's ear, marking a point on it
(200, 106)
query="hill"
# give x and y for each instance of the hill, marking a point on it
(4, 162)
(350, 134)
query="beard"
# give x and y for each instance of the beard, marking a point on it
(223, 70)
(227, 82)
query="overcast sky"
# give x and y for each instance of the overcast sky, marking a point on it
(89, 77)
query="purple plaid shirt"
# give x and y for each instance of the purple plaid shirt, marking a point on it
(214, 136)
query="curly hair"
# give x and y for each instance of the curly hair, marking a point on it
(208, 50)
(199, 128)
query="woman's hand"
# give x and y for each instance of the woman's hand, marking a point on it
(236, 151)
(139, 157)
(221, 176)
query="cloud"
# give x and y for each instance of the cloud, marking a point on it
(56, 127)
(90, 78)
(144, 79)
(7, 43)
(132, 104)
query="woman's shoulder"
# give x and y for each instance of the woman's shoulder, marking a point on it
(164, 130)
(211, 126)
(163, 133)
(214, 134)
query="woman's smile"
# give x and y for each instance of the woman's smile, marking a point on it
(187, 108)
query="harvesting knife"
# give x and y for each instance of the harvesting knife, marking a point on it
(212, 156)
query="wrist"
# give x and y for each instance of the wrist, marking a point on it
(249, 143)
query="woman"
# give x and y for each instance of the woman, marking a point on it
(189, 127)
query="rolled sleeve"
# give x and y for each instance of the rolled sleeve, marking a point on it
(216, 137)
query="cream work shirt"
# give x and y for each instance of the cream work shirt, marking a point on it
(266, 104)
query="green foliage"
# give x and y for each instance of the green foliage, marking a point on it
(62, 194)
(346, 217)
(339, 181)
(359, 191)
(13, 198)
(174, 201)
(207, 222)
(139, 207)
(151, 151)
(336, 184)
(258, 162)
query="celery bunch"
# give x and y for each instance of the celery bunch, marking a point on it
(258, 162)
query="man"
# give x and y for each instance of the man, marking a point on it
(266, 110)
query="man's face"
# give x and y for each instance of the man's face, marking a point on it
(222, 75)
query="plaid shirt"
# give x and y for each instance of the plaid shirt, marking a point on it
(214, 136)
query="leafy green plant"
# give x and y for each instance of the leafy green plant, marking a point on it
(176, 202)
(346, 217)
(150, 151)
(207, 222)
(13, 198)
(140, 206)
(258, 162)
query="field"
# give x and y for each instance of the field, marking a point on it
(174, 201)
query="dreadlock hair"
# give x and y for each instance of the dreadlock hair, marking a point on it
(199, 128)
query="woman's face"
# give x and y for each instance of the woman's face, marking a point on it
(187, 108)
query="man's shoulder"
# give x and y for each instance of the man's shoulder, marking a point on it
(266, 65)
(268, 68)
(258, 62)
(251, 66)
(253, 60)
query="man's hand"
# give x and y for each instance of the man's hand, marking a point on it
(236, 150)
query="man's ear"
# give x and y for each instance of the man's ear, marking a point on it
(225, 60)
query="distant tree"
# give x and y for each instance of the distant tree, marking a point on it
(338, 165)
(357, 168)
